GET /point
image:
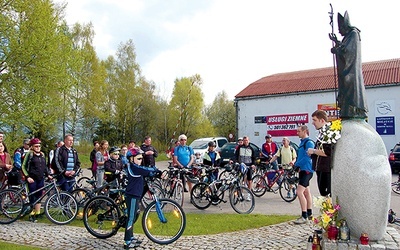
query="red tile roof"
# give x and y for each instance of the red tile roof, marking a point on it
(375, 73)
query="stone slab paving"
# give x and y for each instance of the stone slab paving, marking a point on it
(280, 236)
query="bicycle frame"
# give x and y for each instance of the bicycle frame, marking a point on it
(23, 191)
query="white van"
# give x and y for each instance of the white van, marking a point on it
(200, 145)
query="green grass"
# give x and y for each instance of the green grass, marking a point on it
(200, 224)
(12, 246)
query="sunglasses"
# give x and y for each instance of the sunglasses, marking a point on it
(183, 140)
(141, 158)
(115, 153)
(37, 146)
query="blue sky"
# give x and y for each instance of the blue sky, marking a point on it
(232, 43)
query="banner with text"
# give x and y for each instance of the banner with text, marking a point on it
(285, 125)
(330, 110)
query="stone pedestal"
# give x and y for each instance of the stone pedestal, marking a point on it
(361, 178)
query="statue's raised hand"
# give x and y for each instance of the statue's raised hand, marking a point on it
(333, 38)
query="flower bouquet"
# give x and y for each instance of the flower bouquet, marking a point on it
(328, 211)
(330, 133)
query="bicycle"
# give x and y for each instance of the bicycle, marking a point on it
(82, 195)
(60, 207)
(172, 184)
(396, 186)
(241, 198)
(163, 220)
(286, 180)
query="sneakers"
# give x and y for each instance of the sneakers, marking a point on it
(289, 196)
(32, 218)
(300, 220)
(136, 240)
(131, 245)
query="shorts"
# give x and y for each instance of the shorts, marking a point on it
(304, 178)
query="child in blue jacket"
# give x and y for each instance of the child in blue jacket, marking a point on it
(134, 191)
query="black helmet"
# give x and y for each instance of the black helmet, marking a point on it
(114, 149)
(211, 144)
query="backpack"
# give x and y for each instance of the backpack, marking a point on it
(291, 150)
(14, 177)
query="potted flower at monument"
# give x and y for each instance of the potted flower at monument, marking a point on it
(328, 218)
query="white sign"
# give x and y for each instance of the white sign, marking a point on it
(384, 108)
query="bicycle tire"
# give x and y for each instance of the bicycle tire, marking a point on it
(148, 196)
(288, 191)
(61, 208)
(200, 195)
(241, 200)
(84, 182)
(259, 186)
(101, 217)
(179, 194)
(11, 204)
(169, 227)
(396, 187)
(81, 196)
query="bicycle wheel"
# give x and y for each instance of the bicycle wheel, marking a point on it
(396, 187)
(101, 217)
(11, 204)
(288, 190)
(163, 221)
(81, 196)
(61, 208)
(242, 200)
(200, 195)
(179, 193)
(148, 197)
(259, 186)
(85, 182)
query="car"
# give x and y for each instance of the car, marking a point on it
(394, 158)
(228, 151)
(200, 145)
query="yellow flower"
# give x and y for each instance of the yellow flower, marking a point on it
(325, 220)
(328, 211)
(336, 125)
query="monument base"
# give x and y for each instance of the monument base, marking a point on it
(361, 178)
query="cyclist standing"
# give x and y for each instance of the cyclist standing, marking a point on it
(184, 157)
(150, 153)
(133, 193)
(5, 163)
(66, 163)
(35, 169)
(212, 158)
(306, 173)
(246, 156)
(269, 149)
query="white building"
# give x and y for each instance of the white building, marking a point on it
(276, 104)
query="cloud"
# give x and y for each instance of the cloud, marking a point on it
(232, 43)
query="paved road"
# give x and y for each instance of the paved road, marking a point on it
(281, 236)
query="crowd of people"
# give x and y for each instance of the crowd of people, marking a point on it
(139, 161)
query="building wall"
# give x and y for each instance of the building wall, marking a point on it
(381, 105)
